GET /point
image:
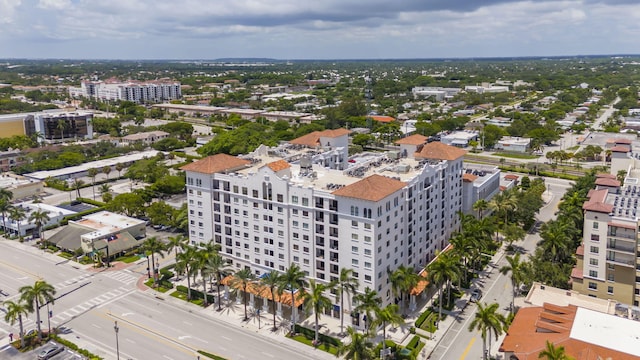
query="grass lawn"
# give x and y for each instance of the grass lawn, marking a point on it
(211, 356)
(182, 296)
(515, 155)
(324, 347)
(161, 289)
(66, 255)
(128, 259)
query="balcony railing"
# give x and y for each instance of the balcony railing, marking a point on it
(624, 262)
(624, 236)
(618, 247)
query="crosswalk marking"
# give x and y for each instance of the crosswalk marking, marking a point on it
(124, 276)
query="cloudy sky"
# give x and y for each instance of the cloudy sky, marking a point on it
(316, 29)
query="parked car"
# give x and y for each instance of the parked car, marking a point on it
(50, 350)
(476, 294)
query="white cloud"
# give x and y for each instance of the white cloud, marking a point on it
(54, 4)
(7, 10)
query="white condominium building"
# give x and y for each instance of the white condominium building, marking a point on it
(308, 203)
(139, 92)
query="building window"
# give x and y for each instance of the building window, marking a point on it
(294, 199)
(611, 277)
(594, 249)
(595, 224)
(595, 237)
(593, 286)
(610, 290)
(354, 262)
(593, 262)
(354, 236)
(593, 273)
(354, 249)
(305, 201)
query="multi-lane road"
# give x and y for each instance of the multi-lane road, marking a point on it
(459, 342)
(90, 302)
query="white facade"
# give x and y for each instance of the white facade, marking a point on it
(479, 182)
(274, 208)
(139, 92)
(26, 227)
(459, 138)
(513, 144)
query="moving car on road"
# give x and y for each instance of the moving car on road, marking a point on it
(476, 294)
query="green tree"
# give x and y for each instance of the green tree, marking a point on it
(552, 352)
(403, 279)
(17, 214)
(516, 268)
(92, 174)
(316, 300)
(368, 302)
(37, 295)
(220, 269)
(389, 315)
(5, 206)
(242, 279)
(293, 279)
(358, 348)
(186, 264)
(119, 168)
(106, 170)
(130, 204)
(487, 320)
(441, 272)
(39, 218)
(15, 311)
(175, 243)
(270, 282)
(105, 192)
(481, 206)
(345, 284)
(153, 246)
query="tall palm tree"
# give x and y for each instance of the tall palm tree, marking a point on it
(441, 272)
(219, 268)
(368, 302)
(61, 126)
(487, 320)
(388, 315)
(552, 352)
(104, 190)
(39, 294)
(39, 218)
(5, 205)
(15, 311)
(346, 284)
(316, 300)
(106, 170)
(293, 279)
(153, 246)
(359, 348)
(186, 262)
(17, 214)
(516, 268)
(242, 279)
(502, 204)
(270, 282)
(92, 174)
(77, 184)
(175, 243)
(480, 206)
(119, 168)
(555, 240)
(403, 279)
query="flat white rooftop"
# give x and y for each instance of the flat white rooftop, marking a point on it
(608, 331)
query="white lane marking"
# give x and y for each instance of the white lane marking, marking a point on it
(187, 323)
(96, 326)
(129, 340)
(226, 338)
(166, 357)
(269, 355)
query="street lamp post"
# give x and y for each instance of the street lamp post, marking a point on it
(148, 267)
(116, 328)
(258, 311)
(49, 319)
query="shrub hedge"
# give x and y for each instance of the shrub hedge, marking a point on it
(312, 334)
(75, 348)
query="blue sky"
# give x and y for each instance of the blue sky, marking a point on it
(316, 29)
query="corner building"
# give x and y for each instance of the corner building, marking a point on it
(308, 203)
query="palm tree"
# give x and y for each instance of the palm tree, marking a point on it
(552, 352)
(390, 314)
(346, 284)
(359, 348)
(202, 255)
(242, 279)
(316, 300)
(293, 279)
(61, 126)
(270, 281)
(104, 190)
(92, 173)
(15, 311)
(153, 246)
(186, 262)
(516, 267)
(219, 268)
(503, 203)
(119, 168)
(487, 320)
(555, 240)
(5, 205)
(368, 303)
(106, 170)
(177, 242)
(40, 293)
(441, 272)
(403, 279)
(480, 206)
(39, 218)
(77, 184)
(17, 214)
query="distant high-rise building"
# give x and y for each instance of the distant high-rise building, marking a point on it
(138, 92)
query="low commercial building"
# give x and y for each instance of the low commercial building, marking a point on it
(513, 144)
(26, 227)
(146, 138)
(459, 138)
(479, 182)
(20, 186)
(11, 158)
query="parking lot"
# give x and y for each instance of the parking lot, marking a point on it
(11, 353)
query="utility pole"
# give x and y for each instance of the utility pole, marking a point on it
(116, 328)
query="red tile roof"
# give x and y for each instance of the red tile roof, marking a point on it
(278, 165)
(622, 141)
(372, 188)
(605, 175)
(607, 182)
(416, 139)
(580, 250)
(439, 151)
(621, 148)
(383, 119)
(576, 273)
(312, 139)
(511, 177)
(216, 164)
(597, 202)
(469, 177)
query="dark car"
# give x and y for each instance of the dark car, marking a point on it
(50, 350)
(476, 294)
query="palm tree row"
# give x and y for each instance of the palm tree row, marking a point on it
(488, 321)
(32, 298)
